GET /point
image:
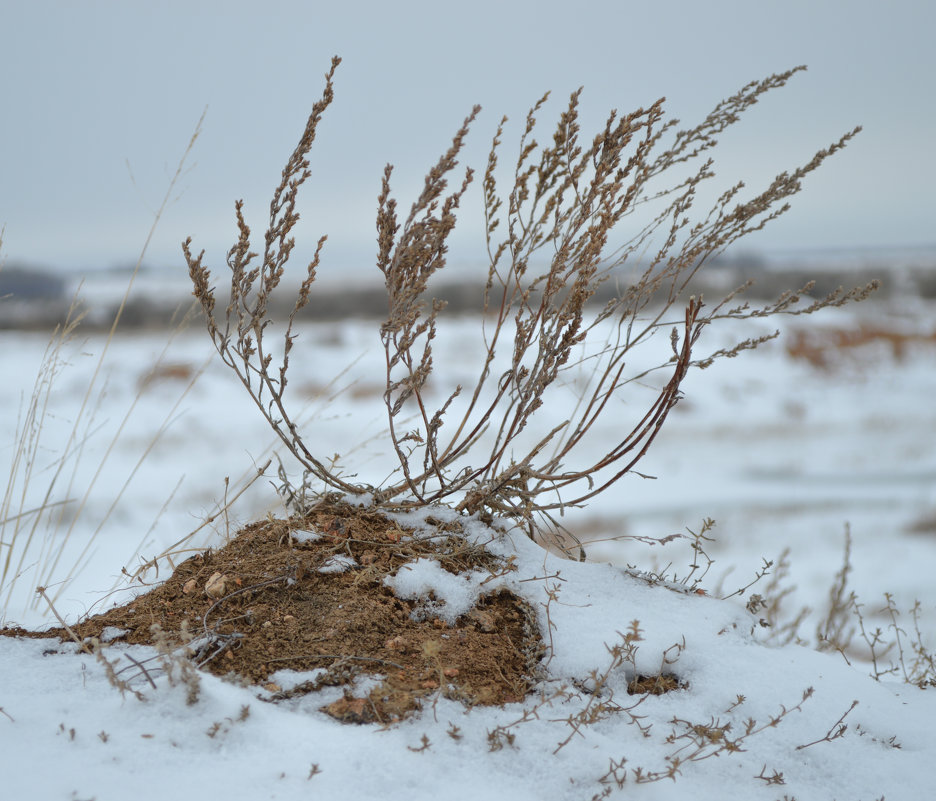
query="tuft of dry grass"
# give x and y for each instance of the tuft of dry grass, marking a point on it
(45, 499)
(581, 210)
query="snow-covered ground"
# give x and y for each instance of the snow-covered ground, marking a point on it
(781, 454)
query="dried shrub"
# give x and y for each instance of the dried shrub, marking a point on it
(562, 230)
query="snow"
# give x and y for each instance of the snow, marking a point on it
(337, 564)
(60, 710)
(781, 454)
(302, 535)
(452, 596)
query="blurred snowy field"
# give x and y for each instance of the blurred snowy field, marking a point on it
(780, 453)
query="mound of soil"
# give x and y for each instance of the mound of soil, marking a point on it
(308, 593)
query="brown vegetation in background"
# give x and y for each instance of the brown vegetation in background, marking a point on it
(825, 348)
(166, 372)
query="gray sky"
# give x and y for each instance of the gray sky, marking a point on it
(89, 88)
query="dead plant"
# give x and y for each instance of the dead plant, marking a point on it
(563, 229)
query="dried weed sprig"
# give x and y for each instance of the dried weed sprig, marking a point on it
(835, 731)
(600, 702)
(561, 231)
(895, 650)
(699, 741)
(239, 335)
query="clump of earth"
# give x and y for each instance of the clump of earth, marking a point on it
(316, 594)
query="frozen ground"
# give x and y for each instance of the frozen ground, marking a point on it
(781, 454)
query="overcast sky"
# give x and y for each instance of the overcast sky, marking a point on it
(99, 100)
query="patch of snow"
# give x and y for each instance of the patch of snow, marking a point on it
(363, 500)
(289, 679)
(453, 595)
(110, 633)
(337, 564)
(305, 535)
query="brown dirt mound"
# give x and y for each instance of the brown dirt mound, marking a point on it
(262, 604)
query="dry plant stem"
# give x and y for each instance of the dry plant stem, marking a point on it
(558, 234)
(113, 329)
(95, 649)
(142, 669)
(78, 562)
(837, 631)
(41, 591)
(408, 259)
(707, 740)
(239, 336)
(34, 510)
(837, 730)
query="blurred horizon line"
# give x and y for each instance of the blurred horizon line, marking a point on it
(353, 257)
